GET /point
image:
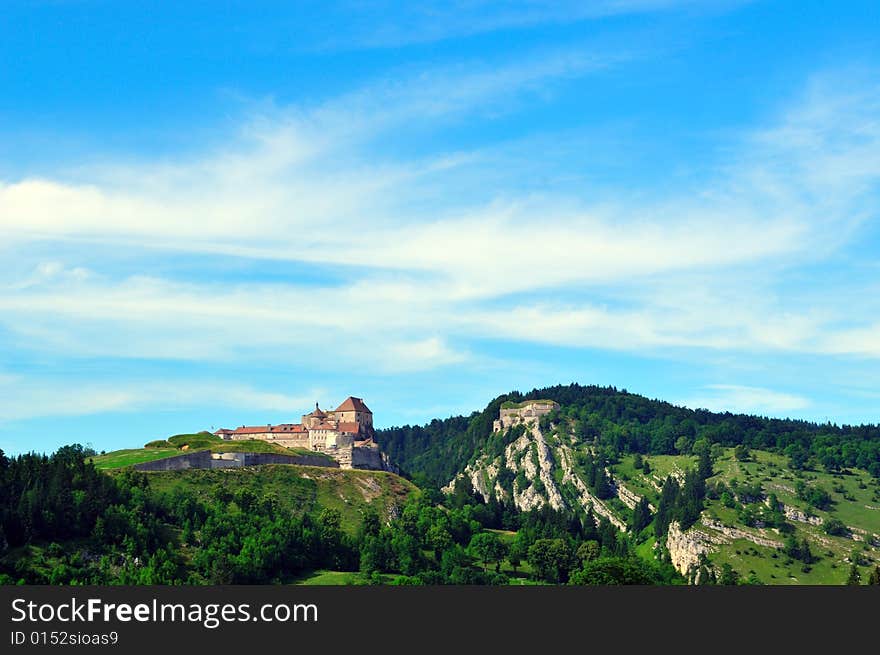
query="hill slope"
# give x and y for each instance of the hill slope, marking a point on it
(182, 443)
(294, 489)
(770, 500)
(624, 421)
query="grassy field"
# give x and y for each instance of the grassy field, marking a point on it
(337, 578)
(506, 536)
(297, 489)
(855, 496)
(184, 443)
(774, 567)
(664, 465)
(854, 493)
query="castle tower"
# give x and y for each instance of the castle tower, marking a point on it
(312, 419)
(353, 413)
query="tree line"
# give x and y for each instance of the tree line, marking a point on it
(624, 422)
(64, 522)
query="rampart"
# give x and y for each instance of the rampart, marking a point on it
(205, 459)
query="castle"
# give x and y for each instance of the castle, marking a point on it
(525, 412)
(345, 433)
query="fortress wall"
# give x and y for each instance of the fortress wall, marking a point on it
(204, 459)
(198, 460)
(259, 459)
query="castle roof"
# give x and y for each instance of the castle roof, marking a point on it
(260, 429)
(351, 427)
(324, 425)
(352, 404)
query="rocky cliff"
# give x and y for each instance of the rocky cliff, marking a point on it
(543, 473)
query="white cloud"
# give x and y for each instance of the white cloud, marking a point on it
(417, 283)
(28, 398)
(747, 400)
(420, 354)
(860, 341)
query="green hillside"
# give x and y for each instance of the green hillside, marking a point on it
(771, 501)
(737, 497)
(183, 443)
(627, 422)
(266, 524)
(293, 489)
(611, 488)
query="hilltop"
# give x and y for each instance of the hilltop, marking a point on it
(67, 522)
(563, 485)
(184, 443)
(774, 501)
(433, 453)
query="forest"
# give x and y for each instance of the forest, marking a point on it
(64, 522)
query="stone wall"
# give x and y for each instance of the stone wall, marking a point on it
(530, 411)
(260, 459)
(205, 459)
(200, 459)
(371, 459)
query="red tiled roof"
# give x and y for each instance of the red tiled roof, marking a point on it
(352, 404)
(260, 429)
(349, 427)
(324, 425)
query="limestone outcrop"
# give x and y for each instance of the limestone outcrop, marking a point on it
(686, 547)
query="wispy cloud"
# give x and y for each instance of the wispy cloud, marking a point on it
(26, 398)
(419, 280)
(429, 22)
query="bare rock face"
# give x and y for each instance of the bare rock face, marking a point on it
(795, 514)
(519, 456)
(630, 498)
(545, 461)
(685, 548)
(478, 482)
(534, 461)
(735, 533)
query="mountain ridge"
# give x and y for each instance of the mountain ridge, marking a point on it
(435, 451)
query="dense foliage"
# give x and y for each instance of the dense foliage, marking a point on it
(63, 522)
(620, 421)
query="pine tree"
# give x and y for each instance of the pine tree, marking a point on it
(603, 484)
(641, 516)
(690, 500)
(704, 466)
(806, 554)
(875, 576)
(638, 461)
(666, 507)
(855, 578)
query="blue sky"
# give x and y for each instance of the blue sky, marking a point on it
(218, 213)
